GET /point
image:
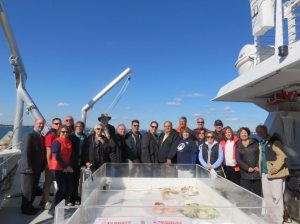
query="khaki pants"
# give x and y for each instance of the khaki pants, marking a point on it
(273, 196)
(47, 185)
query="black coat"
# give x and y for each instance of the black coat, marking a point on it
(119, 149)
(96, 152)
(133, 143)
(149, 148)
(247, 157)
(33, 153)
(78, 158)
(168, 148)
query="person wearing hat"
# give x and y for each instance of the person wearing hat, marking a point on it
(218, 130)
(109, 130)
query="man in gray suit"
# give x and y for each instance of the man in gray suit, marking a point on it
(31, 165)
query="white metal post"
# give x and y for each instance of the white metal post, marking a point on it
(106, 89)
(278, 26)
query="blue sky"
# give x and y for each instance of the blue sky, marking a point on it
(181, 53)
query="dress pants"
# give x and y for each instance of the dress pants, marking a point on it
(47, 185)
(29, 184)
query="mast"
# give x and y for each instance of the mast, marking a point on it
(20, 78)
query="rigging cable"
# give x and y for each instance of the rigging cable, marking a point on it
(119, 95)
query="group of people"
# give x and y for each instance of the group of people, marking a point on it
(256, 165)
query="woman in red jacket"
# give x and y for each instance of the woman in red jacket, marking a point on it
(60, 166)
(228, 143)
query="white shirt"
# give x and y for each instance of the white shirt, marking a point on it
(229, 161)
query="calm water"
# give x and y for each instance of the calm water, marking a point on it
(4, 130)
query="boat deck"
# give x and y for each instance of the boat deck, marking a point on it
(10, 212)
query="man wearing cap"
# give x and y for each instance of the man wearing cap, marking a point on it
(109, 130)
(218, 130)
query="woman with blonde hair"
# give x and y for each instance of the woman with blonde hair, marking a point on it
(211, 154)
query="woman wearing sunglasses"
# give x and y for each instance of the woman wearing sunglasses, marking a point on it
(211, 154)
(60, 166)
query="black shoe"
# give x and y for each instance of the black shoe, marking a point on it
(42, 204)
(51, 211)
(30, 212)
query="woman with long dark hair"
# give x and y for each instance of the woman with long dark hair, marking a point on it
(247, 156)
(228, 143)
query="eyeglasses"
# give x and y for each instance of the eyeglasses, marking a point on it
(209, 136)
(57, 123)
(201, 133)
(135, 125)
(200, 122)
(63, 132)
(153, 126)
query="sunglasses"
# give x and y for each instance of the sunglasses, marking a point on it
(209, 137)
(63, 132)
(135, 125)
(57, 123)
(200, 122)
(153, 126)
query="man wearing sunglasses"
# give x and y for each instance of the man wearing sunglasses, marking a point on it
(150, 144)
(133, 142)
(49, 138)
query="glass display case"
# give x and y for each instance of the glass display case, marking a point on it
(163, 194)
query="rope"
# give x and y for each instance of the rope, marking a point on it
(118, 96)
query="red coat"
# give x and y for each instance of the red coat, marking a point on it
(223, 142)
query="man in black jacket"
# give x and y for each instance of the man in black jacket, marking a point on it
(168, 142)
(133, 142)
(31, 165)
(150, 144)
(119, 153)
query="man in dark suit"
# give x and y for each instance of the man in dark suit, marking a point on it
(31, 165)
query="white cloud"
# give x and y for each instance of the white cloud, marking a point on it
(232, 119)
(63, 104)
(175, 102)
(228, 109)
(194, 94)
(210, 110)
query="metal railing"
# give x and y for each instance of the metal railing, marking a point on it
(8, 169)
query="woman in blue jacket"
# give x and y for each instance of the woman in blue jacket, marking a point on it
(187, 152)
